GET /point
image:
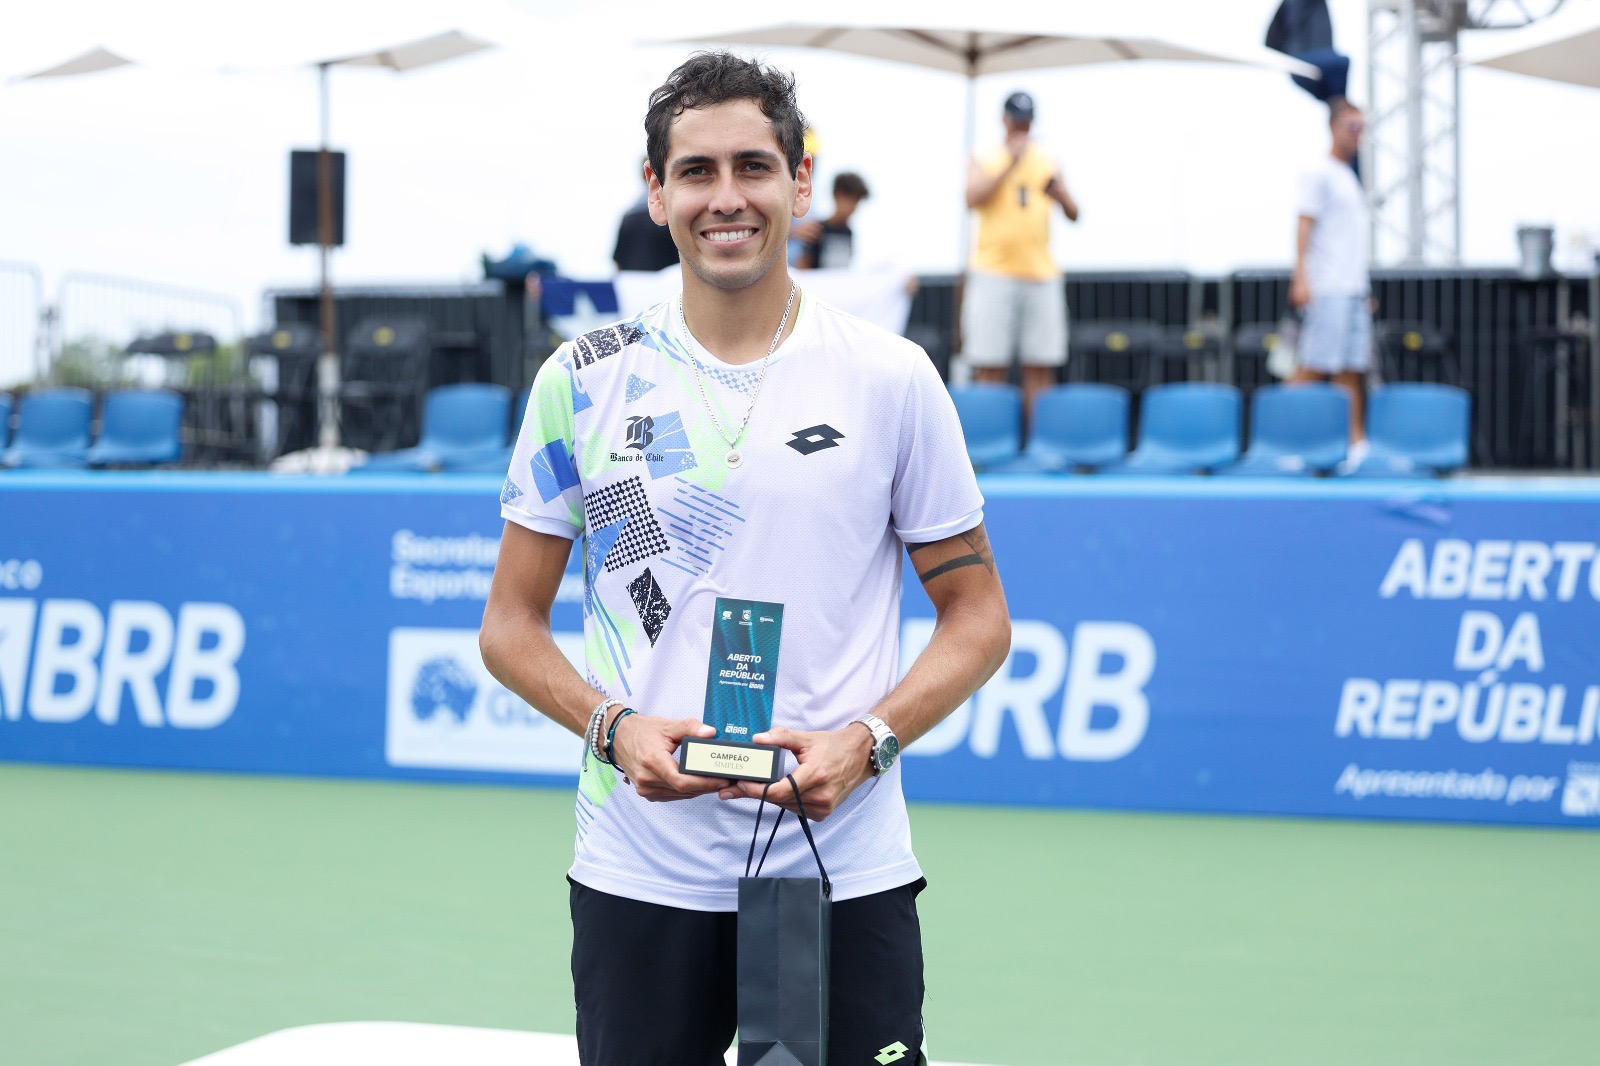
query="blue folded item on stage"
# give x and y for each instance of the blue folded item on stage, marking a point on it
(560, 296)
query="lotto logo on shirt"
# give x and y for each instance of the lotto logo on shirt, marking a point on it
(445, 710)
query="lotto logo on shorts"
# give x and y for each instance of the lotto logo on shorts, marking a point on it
(893, 1053)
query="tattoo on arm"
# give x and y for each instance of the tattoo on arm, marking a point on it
(980, 555)
(953, 564)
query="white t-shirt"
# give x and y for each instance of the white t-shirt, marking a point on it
(1336, 264)
(853, 448)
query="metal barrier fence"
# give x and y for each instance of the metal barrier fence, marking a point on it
(98, 319)
(117, 310)
(1525, 349)
(479, 332)
(21, 308)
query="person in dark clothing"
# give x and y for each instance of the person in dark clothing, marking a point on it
(641, 244)
(830, 244)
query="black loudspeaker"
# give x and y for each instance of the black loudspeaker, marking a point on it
(303, 197)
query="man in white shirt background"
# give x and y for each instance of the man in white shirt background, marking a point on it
(1330, 282)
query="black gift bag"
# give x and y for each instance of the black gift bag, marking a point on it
(784, 929)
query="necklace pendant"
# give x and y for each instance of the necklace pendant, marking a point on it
(734, 458)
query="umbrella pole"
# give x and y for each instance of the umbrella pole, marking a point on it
(328, 363)
(964, 251)
(967, 147)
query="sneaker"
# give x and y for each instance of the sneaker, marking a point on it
(1358, 451)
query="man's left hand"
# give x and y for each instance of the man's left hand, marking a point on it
(832, 766)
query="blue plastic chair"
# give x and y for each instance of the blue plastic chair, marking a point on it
(1416, 429)
(519, 410)
(139, 426)
(52, 429)
(1185, 428)
(5, 419)
(1078, 426)
(1295, 431)
(991, 421)
(460, 424)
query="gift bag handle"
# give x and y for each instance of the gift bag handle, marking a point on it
(805, 827)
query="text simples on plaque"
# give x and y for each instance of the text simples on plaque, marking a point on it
(732, 759)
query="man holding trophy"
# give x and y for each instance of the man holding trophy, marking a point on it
(744, 465)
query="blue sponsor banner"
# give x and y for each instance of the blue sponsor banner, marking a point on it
(1379, 650)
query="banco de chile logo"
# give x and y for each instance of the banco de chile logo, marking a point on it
(640, 431)
(814, 439)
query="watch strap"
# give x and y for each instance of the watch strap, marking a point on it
(880, 732)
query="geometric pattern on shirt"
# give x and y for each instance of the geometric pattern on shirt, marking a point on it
(637, 387)
(625, 501)
(602, 343)
(509, 491)
(597, 544)
(580, 395)
(741, 381)
(699, 523)
(672, 444)
(651, 603)
(554, 470)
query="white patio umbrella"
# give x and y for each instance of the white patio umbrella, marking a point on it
(1574, 59)
(975, 52)
(94, 60)
(437, 47)
(328, 456)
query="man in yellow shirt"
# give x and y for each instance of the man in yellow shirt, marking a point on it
(1014, 305)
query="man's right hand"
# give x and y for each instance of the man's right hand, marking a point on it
(1016, 144)
(1299, 292)
(645, 748)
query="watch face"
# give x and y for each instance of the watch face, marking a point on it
(888, 751)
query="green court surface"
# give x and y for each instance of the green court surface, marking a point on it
(149, 918)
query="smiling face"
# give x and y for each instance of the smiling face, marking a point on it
(727, 195)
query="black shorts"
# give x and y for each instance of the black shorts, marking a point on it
(655, 985)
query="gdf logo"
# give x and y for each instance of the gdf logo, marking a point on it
(82, 660)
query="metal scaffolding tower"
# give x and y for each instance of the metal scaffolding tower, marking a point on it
(1411, 155)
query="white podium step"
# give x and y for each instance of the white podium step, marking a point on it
(404, 1044)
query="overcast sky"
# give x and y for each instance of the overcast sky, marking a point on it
(175, 172)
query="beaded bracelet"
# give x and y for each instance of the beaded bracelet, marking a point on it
(611, 735)
(589, 733)
(597, 725)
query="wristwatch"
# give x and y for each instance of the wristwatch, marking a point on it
(885, 745)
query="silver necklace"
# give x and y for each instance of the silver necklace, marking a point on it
(734, 456)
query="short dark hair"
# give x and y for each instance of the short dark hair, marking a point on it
(708, 78)
(849, 184)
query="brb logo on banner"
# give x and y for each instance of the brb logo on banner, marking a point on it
(1099, 687)
(445, 710)
(62, 659)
